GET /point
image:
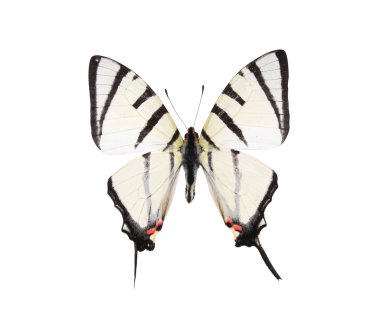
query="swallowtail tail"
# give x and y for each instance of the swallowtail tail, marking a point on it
(251, 113)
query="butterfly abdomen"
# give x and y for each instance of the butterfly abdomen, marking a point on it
(190, 161)
(252, 112)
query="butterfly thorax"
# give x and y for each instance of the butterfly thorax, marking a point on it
(190, 161)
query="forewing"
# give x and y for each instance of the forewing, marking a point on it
(126, 114)
(241, 187)
(142, 191)
(252, 112)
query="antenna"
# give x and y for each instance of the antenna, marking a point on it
(200, 100)
(166, 92)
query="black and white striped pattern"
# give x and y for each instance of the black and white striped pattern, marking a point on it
(126, 114)
(142, 190)
(253, 111)
(241, 187)
(240, 182)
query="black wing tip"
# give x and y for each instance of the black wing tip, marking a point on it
(97, 142)
(92, 67)
(283, 60)
(284, 135)
(280, 51)
(95, 59)
(280, 54)
(95, 127)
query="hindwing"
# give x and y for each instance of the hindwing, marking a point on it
(241, 187)
(142, 191)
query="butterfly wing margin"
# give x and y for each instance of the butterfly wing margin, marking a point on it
(241, 187)
(253, 110)
(142, 191)
(126, 114)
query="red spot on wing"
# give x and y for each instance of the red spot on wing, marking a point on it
(159, 224)
(229, 222)
(158, 227)
(151, 231)
(237, 228)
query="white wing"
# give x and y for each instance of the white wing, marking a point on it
(142, 191)
(126, 115)
(241, 187)
(252, 112)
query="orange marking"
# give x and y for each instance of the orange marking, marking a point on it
(229, 220)
(237, 228)
(151, 231)
(159, 223)
(156, 228)
(231, 224)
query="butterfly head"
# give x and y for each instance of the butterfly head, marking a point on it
(191, 135)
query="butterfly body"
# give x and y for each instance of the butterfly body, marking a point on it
(190, 156)
(252, 112)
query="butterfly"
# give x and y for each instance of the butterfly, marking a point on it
(252, 112)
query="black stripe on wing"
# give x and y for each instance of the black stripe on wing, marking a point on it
(226, 119)
(153, 120)
(96, 125)
(208, 139)
(233, 94)
(209, 161)
(148, 93)
(283, 113)
(172, 140)
(171, 164)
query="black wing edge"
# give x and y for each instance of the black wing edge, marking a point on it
(283, 60)
(249, 236)
(135, 233)
(283, 118)
(97, 125)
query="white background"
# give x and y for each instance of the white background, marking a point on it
(62, 252)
